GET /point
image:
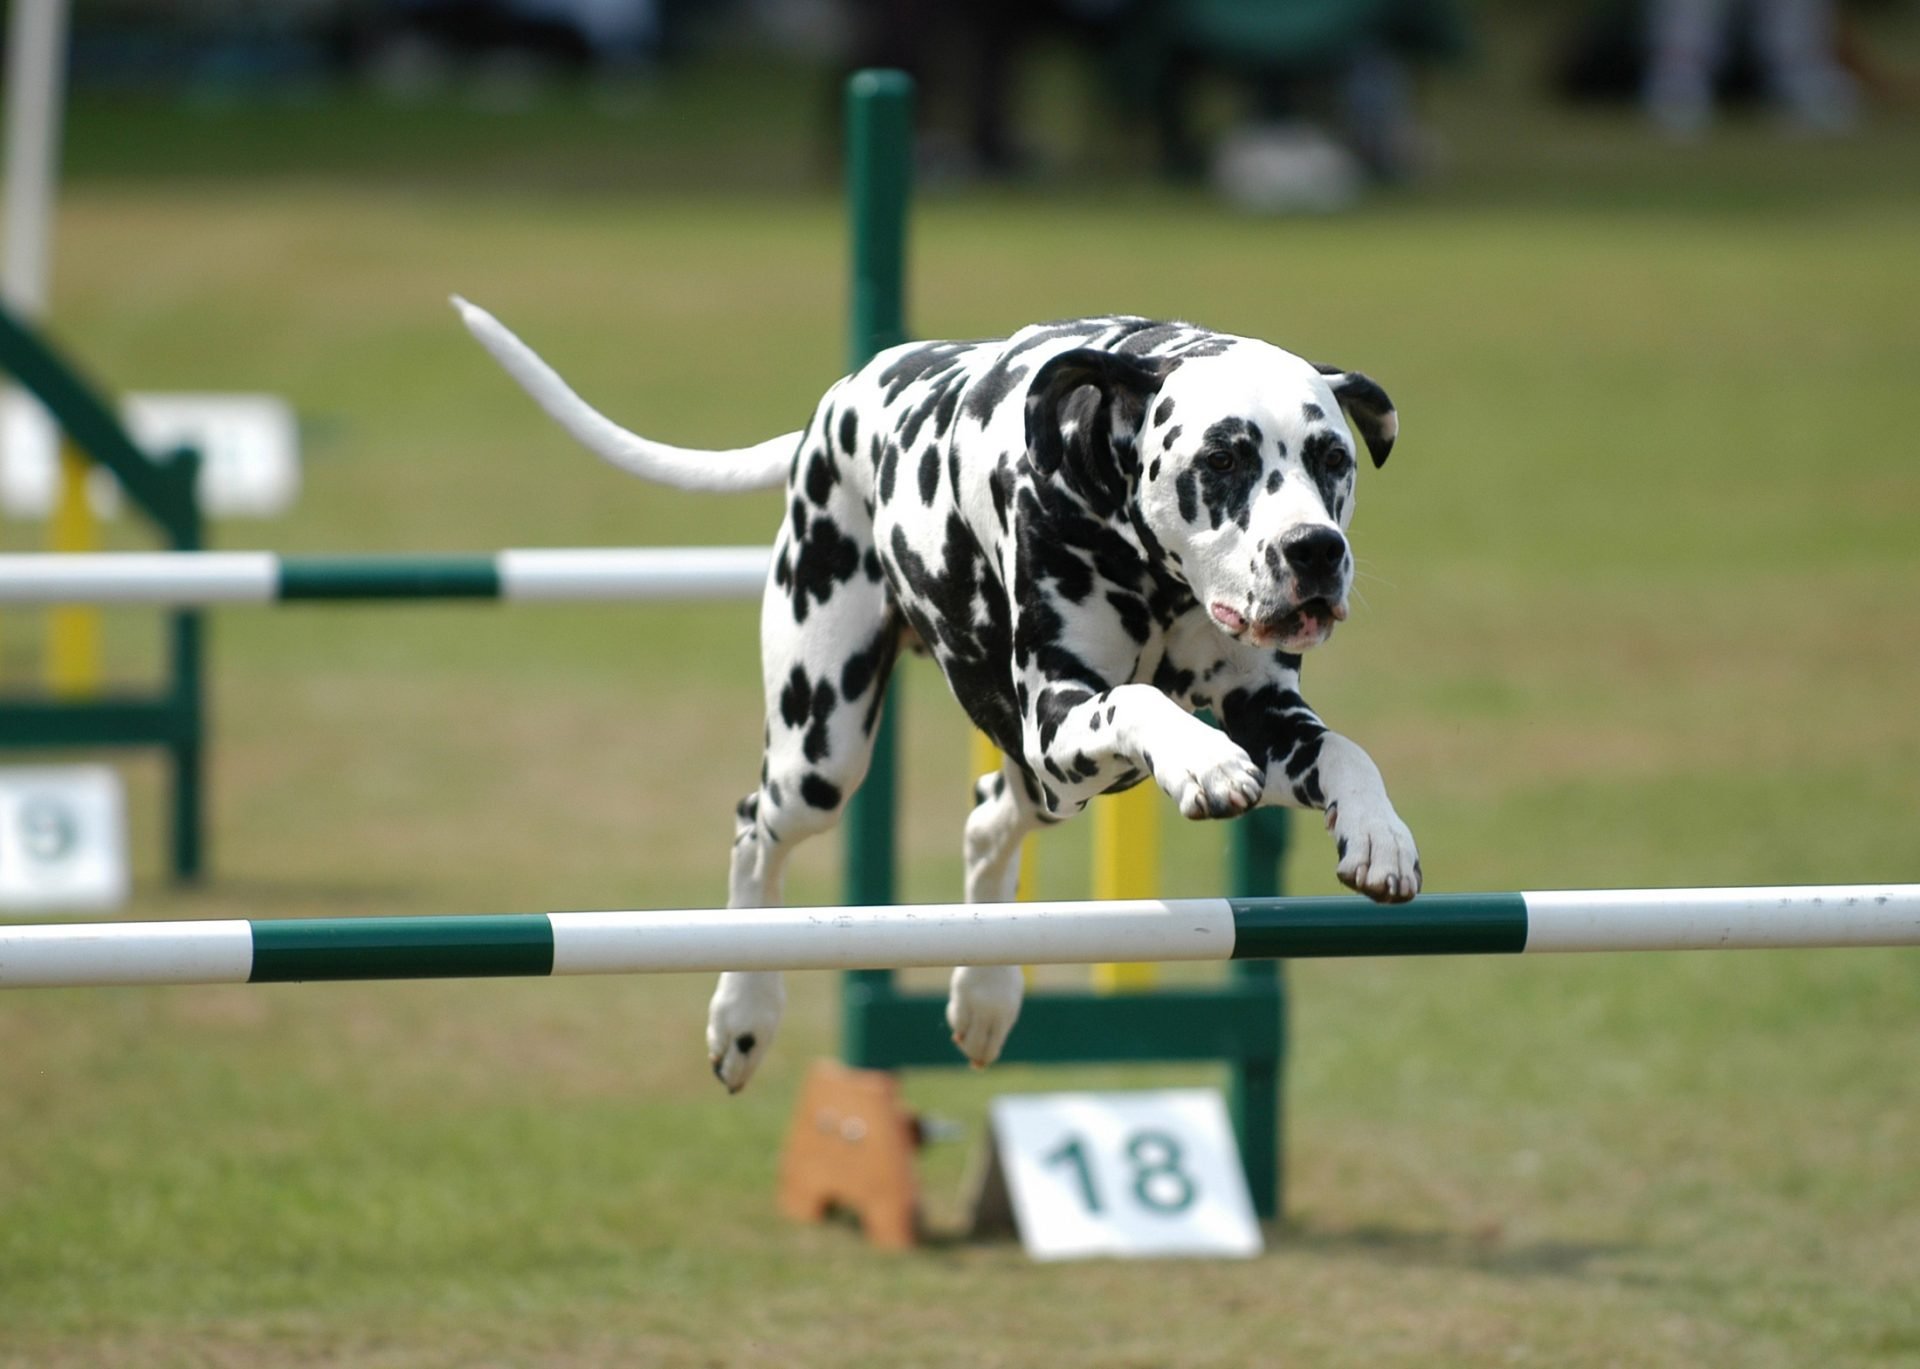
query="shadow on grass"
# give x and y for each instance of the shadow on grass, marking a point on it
(1486, 1251)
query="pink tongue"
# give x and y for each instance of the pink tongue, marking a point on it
(1228, 619)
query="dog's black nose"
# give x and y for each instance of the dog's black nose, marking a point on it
(1315, 553)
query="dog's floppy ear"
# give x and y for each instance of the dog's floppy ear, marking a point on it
(1369, 408)
(1085, 409)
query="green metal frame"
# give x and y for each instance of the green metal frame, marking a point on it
(173, 717)
(1242, 1021)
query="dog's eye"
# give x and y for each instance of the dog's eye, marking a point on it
(1338, 462)
(1220, 460)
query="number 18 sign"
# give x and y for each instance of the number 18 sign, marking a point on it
(1135, 1174)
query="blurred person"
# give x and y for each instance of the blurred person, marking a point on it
(1795, 42)
(1333, 99)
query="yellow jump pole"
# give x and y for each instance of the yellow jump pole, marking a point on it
(1126, 864)
(73, 630)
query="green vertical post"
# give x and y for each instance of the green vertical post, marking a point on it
(1256, 1087)
(879, 161)
(187, 694)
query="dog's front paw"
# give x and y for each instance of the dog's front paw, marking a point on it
(741, 1021)
(1377, 854)
(1208, 775)
(983, 1002)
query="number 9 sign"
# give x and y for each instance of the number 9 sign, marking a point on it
(62, 838)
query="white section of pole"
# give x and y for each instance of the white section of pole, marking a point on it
(633, 573)
(36, 92)
(110, 953)
(180, 578)
(1723, 919)
(896, 937)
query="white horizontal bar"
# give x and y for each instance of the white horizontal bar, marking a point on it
(895, 937)
(1723, 919)
(105, 953)
(159, 577)
(634, 573)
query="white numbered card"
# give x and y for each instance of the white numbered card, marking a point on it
(249, 448)
(63, 842)
(1128, 1174)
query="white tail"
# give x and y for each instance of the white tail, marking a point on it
(744, 468)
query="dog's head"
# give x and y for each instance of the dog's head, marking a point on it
(1236, 467)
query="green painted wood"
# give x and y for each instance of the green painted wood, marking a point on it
(108, 720)
(1256, 1084)
(1211, 1023)
(163, 489)
(879, 152)
(388, 577)
(1433, 924)
(87, 420)
(402, 948)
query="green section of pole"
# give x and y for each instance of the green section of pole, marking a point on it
(1256, 1084)
(1433, 924)
(389, 577)
(879, 170)
(517, 944)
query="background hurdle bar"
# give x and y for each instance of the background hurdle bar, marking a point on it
(671, 941)
(200, 578)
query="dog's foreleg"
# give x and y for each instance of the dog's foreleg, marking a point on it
(1082, 744)
(1307, 765)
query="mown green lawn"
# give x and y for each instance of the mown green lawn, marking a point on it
(1640, 608)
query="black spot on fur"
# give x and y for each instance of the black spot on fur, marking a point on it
(822, 476)
(988, 392)
(1165, 411)
(929, 361)
(1330, 465)
(1313, 413)
(929, 474)
(820, 792)
(1226, 495)
(1134, 617)
(1051, 711)
(1275, 726)
(849, 430)
(826, 559)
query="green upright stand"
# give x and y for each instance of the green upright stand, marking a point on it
(173, 717)
(1241, 1021)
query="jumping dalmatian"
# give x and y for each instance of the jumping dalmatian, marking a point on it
(1096, 527)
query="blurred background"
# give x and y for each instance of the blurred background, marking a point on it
(1640, 605)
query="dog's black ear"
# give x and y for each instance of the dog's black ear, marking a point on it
(1085, 409)
(1367, 406)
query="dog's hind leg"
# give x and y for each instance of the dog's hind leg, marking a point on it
(983, 1001)
(826, 666)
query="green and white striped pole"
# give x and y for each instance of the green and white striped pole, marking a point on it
(197, 578)
(903, 936)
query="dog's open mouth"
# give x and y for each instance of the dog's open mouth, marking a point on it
(1306, 623)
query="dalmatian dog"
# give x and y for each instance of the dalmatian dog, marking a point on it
(1096, 528)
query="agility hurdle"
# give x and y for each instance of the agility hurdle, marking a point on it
(551, 575)
(240, 951)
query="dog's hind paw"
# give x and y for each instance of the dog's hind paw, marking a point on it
(983, 1002)
(741, 1021)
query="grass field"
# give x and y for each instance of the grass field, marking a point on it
(1640, 608)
